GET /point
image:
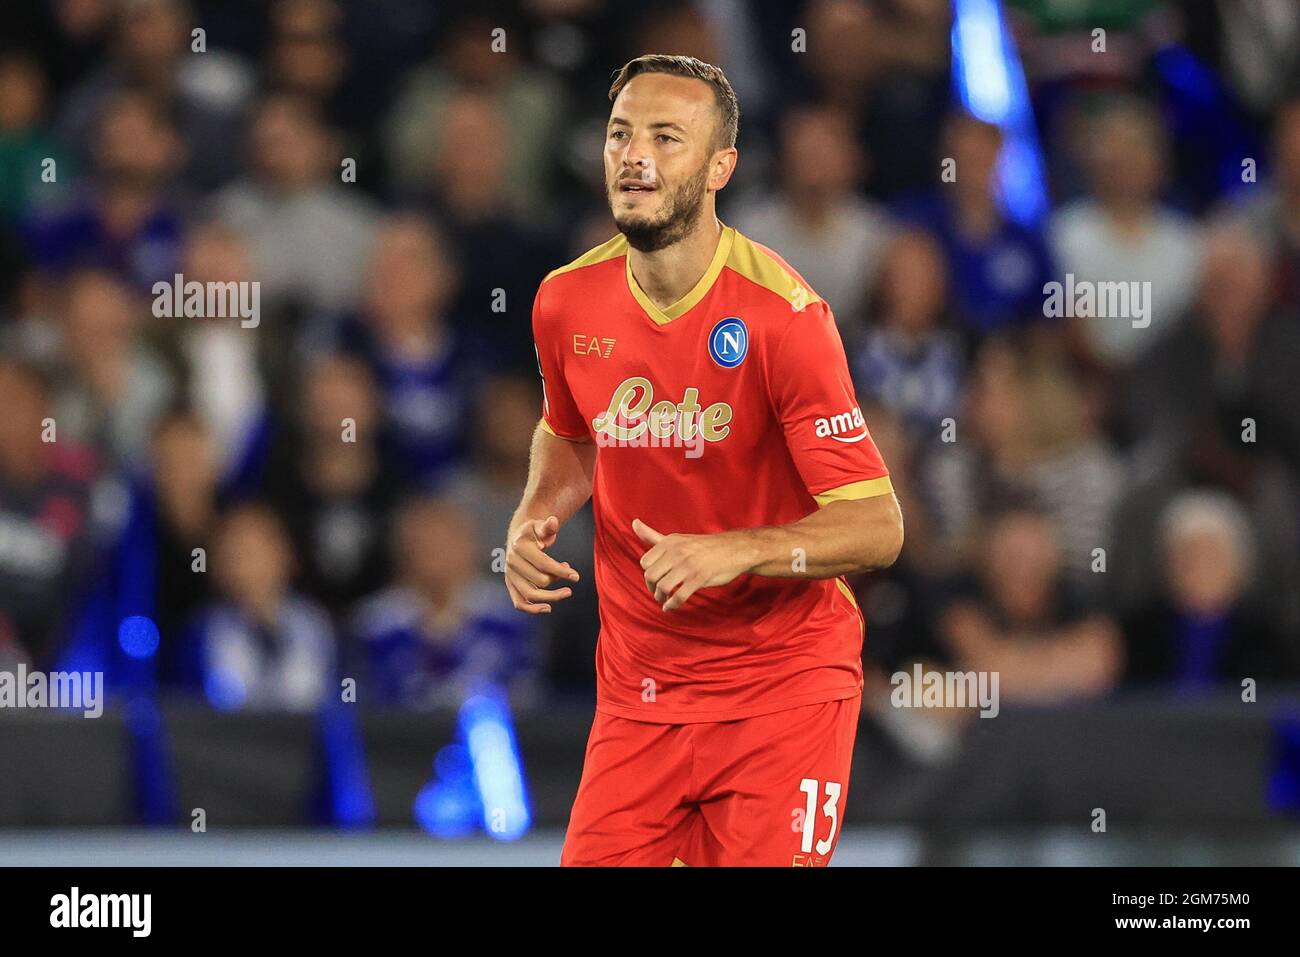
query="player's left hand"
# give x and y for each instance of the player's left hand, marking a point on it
(679, 565)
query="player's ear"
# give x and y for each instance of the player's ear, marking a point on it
(722, 166)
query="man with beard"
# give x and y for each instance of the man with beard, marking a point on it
(696, 389)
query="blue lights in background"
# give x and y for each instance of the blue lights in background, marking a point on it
(498, 771)
(351, 801)
(991, 85)
(1284, 785)
(449, 806)
(138, 637)
(478, 782)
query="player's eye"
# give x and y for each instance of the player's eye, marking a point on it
(617, 134)
(665, 138)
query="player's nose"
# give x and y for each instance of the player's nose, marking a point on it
(637, 152)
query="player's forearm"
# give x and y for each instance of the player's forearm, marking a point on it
(840, 539)
(559, 478)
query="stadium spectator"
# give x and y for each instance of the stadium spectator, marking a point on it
(227, 363)
(531, 102)
(502, 255)
(125, 219)
(1237, 358)
(885, 67)
(45, 490)
(260, 645)
(1019, 618)
(329, 483)
(305, 55)
(183, 496)
(835, 238)
(1122, 233)
(420, 363)
(998, 268)
(1199, 629)
(151, 55)
(444, 625)
(25, 142)
(910, 360)
(308, 233)
(1027, 438)
(114, 384)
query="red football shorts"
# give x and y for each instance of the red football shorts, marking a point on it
(766, 791)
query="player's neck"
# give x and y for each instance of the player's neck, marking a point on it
(667, 274)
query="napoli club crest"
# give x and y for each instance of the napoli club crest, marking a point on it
(729, 342)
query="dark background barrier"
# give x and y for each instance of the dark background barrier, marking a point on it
(1147, 761)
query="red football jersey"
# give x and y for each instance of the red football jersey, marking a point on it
(733, 408)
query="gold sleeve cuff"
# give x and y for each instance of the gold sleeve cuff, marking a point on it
(855, 490)
(546, 427)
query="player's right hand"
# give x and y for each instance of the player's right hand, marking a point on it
(530, 571)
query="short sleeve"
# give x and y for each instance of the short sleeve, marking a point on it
(812, 394)
(560, 415)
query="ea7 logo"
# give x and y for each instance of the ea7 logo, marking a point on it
(586, 345)
(837, 425)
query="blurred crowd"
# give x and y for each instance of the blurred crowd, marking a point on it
(1090, 502)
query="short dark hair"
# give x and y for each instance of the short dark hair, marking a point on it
(688, 66)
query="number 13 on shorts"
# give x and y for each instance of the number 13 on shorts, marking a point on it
(811, 788)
